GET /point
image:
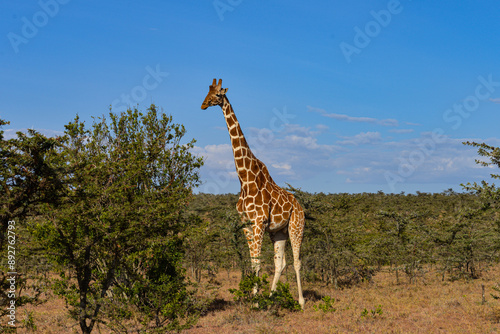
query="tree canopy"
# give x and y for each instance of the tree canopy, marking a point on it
(126, 183)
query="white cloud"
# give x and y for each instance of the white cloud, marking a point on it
(216, 157)
(283, 168)
(417, 161)
(401, 130)
(309, 143)
(322, 127)
(347, 118)
(12, 133)
(256, 134)
(297, 154)
(361, 138)
(218, 172)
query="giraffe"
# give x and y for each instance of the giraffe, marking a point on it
(261, 201)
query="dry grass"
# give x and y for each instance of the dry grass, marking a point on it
(428, 306)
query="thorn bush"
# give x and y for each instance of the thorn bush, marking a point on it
(326, 305)
(280, 299)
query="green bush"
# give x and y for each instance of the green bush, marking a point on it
(377, 311)
(326, 305)
(281, 299)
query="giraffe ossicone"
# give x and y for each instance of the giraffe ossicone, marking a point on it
(269, 207)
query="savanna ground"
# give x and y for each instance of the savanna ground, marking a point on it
(429, 305)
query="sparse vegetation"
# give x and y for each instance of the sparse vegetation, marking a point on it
(326, 305)
(375, 312)
(351, 237)
(29, 322)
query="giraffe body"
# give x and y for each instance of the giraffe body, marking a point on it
(269, 207)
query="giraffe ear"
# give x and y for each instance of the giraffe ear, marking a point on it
(223, 91)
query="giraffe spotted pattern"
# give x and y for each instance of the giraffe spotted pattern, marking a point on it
(261, 200)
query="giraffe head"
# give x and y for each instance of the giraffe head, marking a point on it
(215, 95)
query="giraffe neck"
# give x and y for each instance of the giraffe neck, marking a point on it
(243, 156)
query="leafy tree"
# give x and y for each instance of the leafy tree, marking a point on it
(27, 179)
(489, 193)
(26, 175)
(484, 237)
(334, 246)
(235, 244)
(214, 236)
(154, 294)
(116, 225)
(200, 244)
(405, 242)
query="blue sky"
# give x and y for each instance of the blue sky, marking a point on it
(333, 96)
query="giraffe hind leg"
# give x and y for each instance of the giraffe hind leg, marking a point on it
(279, 240)
(296, 231)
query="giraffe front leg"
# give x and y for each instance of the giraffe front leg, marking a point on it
(254, 256)
(254, 237)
